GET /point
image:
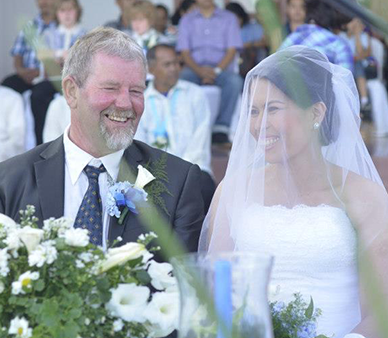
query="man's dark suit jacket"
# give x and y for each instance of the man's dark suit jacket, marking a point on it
(37, 178)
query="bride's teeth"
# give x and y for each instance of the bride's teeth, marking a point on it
(117, 118)
(270, 141)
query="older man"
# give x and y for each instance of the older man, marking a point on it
(103, 83)
(177, 115)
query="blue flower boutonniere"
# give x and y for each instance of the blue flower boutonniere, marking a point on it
(125, 196)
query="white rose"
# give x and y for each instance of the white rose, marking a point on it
(7, 221)
(122, 254)
(160, 274)
(162, 313)
(143, 177)
(30, 237)
(129, 302)
(76, 237)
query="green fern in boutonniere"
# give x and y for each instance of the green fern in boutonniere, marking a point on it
(158, 186)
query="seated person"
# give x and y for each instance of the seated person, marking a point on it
(163, 26)
(29, 70)
(176, 117)
(252, 34)
(359, 41)
(123, 23)
(208, 39)
(60, 39)
(142, 15)
(57, 119)
(296, 15)
(12, 123)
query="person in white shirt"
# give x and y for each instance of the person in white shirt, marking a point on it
(12, 123)
(57, 119)
(177, 115)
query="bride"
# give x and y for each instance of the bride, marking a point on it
(301, 186)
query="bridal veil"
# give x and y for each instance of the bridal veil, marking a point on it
(298, 143)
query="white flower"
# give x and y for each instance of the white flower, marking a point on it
(118, 325)
(129, 302)
(24, 282)
(79, 264)
(143, 177)
(6, 223)
(13, 240)
(76, 237)
(19, 327)
(44, 253)
(30, 237)
(162, 313)
(122, 254)
(59, 225)
(86, 257)
(4, 256)
(160, 274)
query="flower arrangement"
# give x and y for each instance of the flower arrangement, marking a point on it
(124, 196)
(54, 283)
(297, 319)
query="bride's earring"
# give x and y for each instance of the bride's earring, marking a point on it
(316, 125)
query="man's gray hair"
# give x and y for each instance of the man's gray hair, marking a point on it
(102, 39)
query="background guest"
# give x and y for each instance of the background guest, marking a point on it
(123, 23)
(209, 39)
(177, 116)
(12, 123)
(142, 15)
(252, 34)
(163, 25)
(185, 7)
(296, 15)
(322, 20)
(29, 70)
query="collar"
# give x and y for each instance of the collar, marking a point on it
(76, 159)
(151, 90)
(73, 30)
(216, 12)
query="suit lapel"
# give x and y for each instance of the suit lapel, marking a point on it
(50, 180)
(128, 172)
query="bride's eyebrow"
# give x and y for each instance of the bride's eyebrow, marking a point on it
(275, 102)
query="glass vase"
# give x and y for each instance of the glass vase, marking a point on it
(224, 295)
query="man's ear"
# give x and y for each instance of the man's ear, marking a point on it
(319, 112)
(70, 91)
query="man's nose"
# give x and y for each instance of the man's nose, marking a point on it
(123, 100)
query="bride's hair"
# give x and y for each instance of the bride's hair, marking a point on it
(304, 76)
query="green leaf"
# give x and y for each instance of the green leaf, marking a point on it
(321, 336)
(310, 310)
(49, 315)
(143, 277)
(60, 244)
(39, 285)
(75, 313)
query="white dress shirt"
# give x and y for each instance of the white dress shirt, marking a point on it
(76, 181)
(12, 123)
(186, 115)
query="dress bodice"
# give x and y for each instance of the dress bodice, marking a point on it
(315, 254)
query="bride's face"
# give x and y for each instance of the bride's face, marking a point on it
(280, 127)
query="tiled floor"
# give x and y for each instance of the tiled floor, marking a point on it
(378, 148)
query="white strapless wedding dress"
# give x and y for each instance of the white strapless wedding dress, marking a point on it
(315, 251)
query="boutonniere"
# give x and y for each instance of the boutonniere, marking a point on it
(125, 196)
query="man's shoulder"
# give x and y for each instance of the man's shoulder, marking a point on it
(26, 160)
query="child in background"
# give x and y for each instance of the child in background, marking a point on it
(142, 15)
(59, 40)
